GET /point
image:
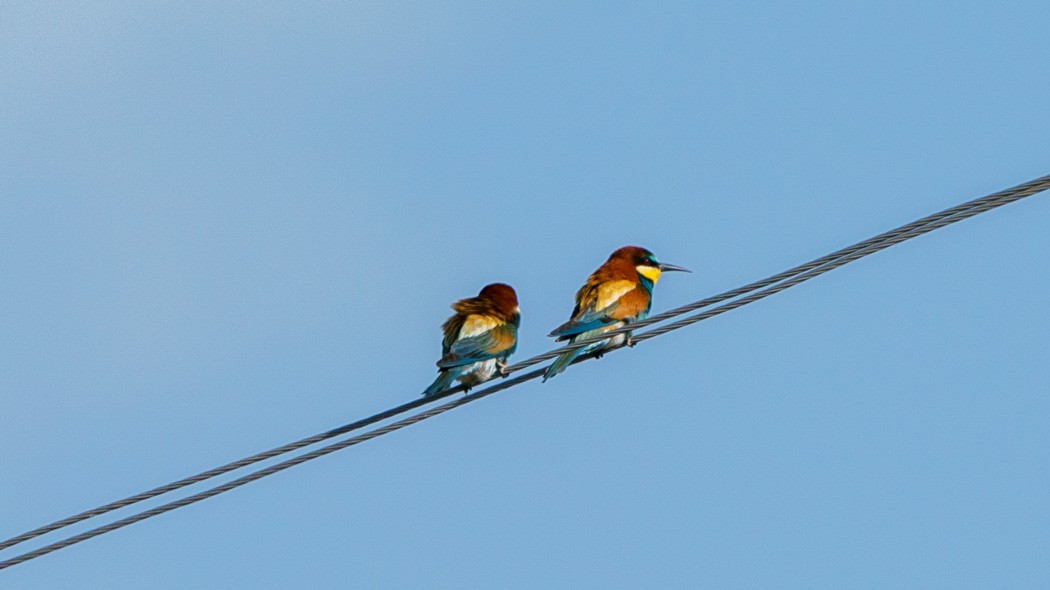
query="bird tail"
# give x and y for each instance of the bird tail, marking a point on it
(443, 382)
(562, 362)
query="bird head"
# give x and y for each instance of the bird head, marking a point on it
(502, 299)
(645, 262)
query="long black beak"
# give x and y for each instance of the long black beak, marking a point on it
(672, 267)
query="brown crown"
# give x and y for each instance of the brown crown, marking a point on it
(634, 254)
(502, 296)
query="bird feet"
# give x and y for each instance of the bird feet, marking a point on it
(501, 368)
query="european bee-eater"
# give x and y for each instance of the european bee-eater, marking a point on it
(618, 293)
(479, 338)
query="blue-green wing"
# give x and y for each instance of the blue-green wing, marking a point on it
(498, 342)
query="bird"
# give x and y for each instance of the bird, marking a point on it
(618, 293)
(478, 338)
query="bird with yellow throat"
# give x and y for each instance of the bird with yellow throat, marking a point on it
(618, 293)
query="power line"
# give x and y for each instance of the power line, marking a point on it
(236, 483)
(795, 276)
(1033, 187)
(223, 469)
(890, 238)
(975, 206)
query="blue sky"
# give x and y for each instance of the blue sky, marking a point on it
(223, 228)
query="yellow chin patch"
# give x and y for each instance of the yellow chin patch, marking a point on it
(650, 272)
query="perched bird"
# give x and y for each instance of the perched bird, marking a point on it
(478, 338)
(618, 293)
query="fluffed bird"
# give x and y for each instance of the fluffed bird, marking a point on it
(479, 338)
(618, 293)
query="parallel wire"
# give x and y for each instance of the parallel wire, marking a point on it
(795, 276)
(296, 445)
(890, 238)
(217, 471)
(1007, 197)
(236, 483)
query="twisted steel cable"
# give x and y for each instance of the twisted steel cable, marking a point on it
(255, 475)
(794, 276)
(1032, 188)
(891, 237)
(223, 469)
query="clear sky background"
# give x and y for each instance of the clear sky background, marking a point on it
(227, 226)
